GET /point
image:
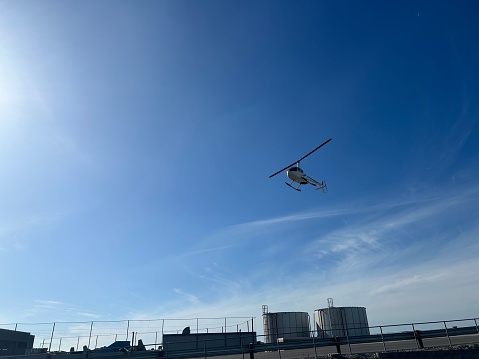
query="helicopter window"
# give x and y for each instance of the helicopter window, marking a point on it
(293, 169)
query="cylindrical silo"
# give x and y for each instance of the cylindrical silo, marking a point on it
(285, 325)
(341, 322)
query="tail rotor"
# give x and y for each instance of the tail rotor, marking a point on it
(323, 186)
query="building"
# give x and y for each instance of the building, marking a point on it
(13, 342)
(207, 342)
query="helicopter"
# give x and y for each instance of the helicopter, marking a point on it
(296, 174)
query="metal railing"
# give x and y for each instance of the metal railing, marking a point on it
(62, 336)
(381, 338)
(384, 338)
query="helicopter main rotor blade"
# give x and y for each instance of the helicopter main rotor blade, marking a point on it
(317, 148)
(274, 174)
(302, 158)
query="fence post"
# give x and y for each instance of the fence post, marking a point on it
(51, 338)
(162, 326)
(315, 351)
(419, 339)
(204, 345)
(337, 344)
(241, 344)
(382, 338)
(89, 338)
(447, 333)
(127, 329)
(417, 336)
(475, 322)
(60, 345)
(414, 333)
(349, 343)
(251, 350)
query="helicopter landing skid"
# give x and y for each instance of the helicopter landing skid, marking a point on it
(297, 189)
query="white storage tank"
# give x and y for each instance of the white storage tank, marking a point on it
(341, 321)
(285, 325)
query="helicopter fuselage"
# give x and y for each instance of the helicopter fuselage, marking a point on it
(296, 174)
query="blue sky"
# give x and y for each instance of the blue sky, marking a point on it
(137, 139)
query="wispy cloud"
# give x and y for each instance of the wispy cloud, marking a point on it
(380, 256)
(401, 284)
(202, 251)
(48, 304)
(13, 232)
(190, 298)
(58, 311)
(423, 205)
